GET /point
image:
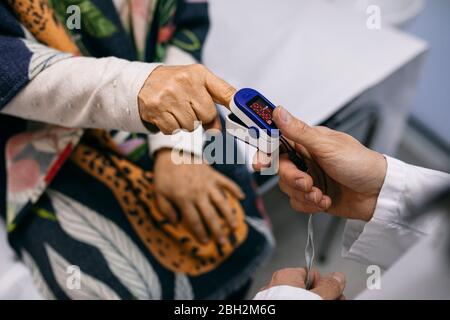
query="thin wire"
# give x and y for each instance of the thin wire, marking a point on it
(309, 248)
(286, 144)
(309, 252)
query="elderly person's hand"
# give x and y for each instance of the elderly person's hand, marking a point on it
(344, 177)
(174, 97)
(198, 192)
(330, 287)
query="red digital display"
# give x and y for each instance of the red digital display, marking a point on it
(259, 106)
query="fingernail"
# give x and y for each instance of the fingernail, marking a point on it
(285, 115)
(222, 240)
(301, 183)
(205, 240)
(339, 277)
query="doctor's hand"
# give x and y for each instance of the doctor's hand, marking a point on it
(330, 287)
(344, 178)
(198, 192)
(174, 97)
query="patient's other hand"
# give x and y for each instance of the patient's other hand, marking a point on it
(197, 191)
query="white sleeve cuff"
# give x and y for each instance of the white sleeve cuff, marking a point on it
(389, 233)
(191, 142)
(129, 84)
(286, 293)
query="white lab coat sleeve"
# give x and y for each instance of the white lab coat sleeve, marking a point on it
(84, 92)
(390, 232)
(191, 142)
(286, 293)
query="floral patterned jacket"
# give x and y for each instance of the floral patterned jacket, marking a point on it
(32, 153)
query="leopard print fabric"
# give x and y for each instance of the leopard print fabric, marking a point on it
(39, 18)
(171, 244)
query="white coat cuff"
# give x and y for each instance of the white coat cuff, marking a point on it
(371, 242)
(286, 293)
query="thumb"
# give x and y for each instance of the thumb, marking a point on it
(220, 90)
(330, 287)
(293, 128)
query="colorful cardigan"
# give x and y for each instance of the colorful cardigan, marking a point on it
(108, 28)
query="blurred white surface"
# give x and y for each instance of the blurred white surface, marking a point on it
(398, 12)
(15, 279)
(310, 56)
(432, 106)
(314, 57)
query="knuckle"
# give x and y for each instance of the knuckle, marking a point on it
(302, 127)
(285, 271)
(297, 196)
(198, 231)
(331, 284)
(183, 76)
(165, 130)
(229, 92)
(283, 173)
(197, 67)
(277, 275)
(217, 226)
(209, 116)
(286, 274)
(157, 99)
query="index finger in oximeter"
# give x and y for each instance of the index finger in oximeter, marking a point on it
(251, 120)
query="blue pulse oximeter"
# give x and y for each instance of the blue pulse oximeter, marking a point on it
(256, 108)
(251, 121)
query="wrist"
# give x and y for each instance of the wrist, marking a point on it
(143, 107)
(162, 153)
(380, 170)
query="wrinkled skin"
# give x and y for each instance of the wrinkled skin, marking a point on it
(174, 97)
(197, 191)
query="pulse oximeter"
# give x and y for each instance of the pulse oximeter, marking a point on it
(251, 120)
